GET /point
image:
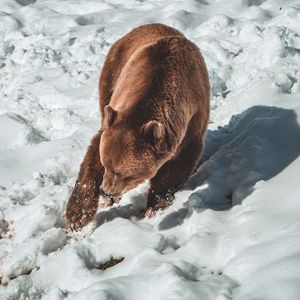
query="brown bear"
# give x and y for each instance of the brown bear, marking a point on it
(154, 103)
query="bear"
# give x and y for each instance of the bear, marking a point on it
(154, 102)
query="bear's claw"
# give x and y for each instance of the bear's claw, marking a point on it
(76, 219)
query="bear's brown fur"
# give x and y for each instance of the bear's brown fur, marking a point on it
(154, 102)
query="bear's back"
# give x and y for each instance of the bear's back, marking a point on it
(123, 49)
(150, 63)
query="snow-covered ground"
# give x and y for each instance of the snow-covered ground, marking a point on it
(233, 231)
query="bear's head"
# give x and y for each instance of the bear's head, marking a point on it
(130, 153)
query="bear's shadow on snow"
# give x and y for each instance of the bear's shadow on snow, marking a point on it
(256, 145)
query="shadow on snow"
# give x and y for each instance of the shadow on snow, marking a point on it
(134, 209)
(256, 145)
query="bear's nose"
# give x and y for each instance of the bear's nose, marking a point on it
(108, 189)
(105, 189)
(105, 192)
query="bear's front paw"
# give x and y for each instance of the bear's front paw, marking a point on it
(162, 203)
(77, 218)
(82, 206)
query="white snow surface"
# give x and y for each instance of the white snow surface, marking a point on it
(233, 231)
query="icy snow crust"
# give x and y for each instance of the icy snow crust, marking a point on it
(233, 232)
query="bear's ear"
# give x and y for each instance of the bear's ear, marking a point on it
(109, 116)
(154, 131)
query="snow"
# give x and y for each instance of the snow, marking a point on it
(233, 231)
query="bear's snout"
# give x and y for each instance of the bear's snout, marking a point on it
(112, 186)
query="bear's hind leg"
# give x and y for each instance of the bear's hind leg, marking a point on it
(83, 203)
